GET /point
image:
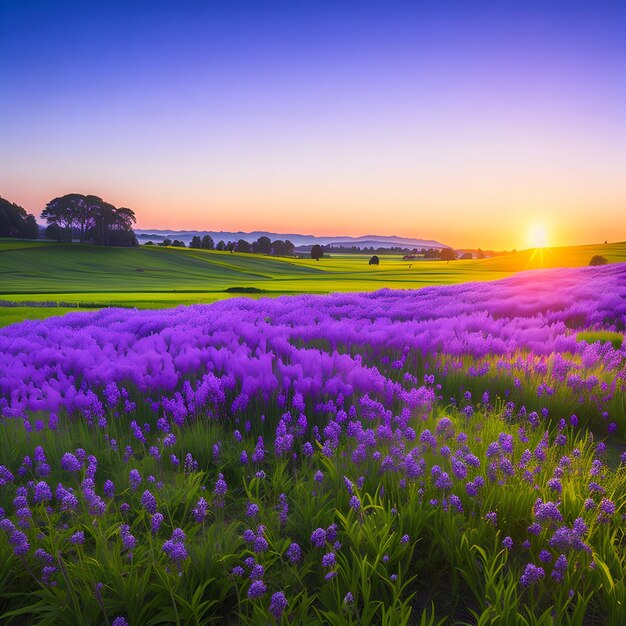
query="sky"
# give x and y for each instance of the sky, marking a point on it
(478, 124)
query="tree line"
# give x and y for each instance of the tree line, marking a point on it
(89, 219)
(263, 245)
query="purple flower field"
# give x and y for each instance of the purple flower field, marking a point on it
(450, 454)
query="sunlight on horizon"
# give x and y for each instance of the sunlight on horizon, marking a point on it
(538, 235)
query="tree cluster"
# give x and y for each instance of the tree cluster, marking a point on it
(597, 259)
(16, 222)
(330, 249)
(206, 243)
(263, 245)
(89, 219)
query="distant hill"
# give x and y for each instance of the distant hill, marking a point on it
(365, 241)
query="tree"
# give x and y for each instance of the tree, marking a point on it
(196, 242)
(316, 252)
(262, 245)
(149, 243)
(466, 257)
(53, 232)
(91, 219)
(278, 247)
(374, 260)
(62, 212)
(244, 246)
(178, 244)
(15, 222)
(207, 242)
(596, 259)
(289, 248)
(220, 246)
(480, 254)
(166, 242)
(447, 254)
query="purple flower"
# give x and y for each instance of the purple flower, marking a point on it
(78, 538)
(5, 475)
(109, 488)
(220, 490)
(294, 553)
(155, 523)
(318, 538)
(119, 621)
(200, 511)
(531, 575)
(560, 566)
(19, 541)
(606, 510)
(547, 511)
(328, 560)
(283, 509)
(507, 543)
(175, 547)
(42, 492)
(70, 463)
(128, 540)
(260, 543)
(492, 517)
(278, 604)
(545, 556)
(134, 478)
(257, 589)
(149, 502)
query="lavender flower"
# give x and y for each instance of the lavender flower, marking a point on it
(278, 605)
(531, 575)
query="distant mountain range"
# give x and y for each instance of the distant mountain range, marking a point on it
(365, 241)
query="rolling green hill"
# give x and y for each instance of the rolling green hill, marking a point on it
(91, 276)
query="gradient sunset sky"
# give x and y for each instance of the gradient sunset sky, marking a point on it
(467, 122)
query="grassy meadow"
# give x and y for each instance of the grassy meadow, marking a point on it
(85, 276)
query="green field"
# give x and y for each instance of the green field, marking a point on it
(86, 276)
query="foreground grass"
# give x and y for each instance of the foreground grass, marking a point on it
(154, 277)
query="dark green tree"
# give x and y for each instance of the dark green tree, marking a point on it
(207, 243)
(243, 246)
(316, 252)
(15, 222)
(62, 212)
(447, 254)
(262, 245)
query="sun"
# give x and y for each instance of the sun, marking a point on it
(538, 235)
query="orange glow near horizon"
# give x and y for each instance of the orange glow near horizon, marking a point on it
(449, 220)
